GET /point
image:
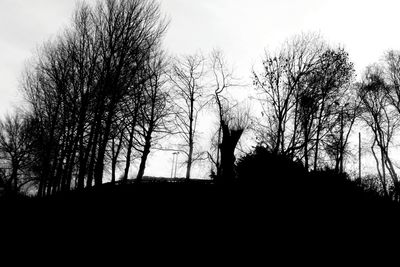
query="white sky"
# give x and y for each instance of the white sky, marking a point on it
(242, 29)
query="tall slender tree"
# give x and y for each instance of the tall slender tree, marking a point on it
(187, 78)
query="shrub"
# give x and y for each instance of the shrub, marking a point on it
(263, 166)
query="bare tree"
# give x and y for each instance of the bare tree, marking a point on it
(131, 106)
(15, 152)
(231, 124)
(330, 80)
(391, 67)
(117, 144)
(282, 85)
(77, 87)
(298, 87)
(378, 115)
(128, 32)
(48, 88)
(337, 139)
(155, 115)
(277, 100)
(187, 78)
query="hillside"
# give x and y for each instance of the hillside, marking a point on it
(312, 194)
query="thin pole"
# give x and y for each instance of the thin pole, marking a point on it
(176, 163)
(172, 169)
(341, 143)
(359, 155)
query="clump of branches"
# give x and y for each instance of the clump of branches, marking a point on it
(300, 91)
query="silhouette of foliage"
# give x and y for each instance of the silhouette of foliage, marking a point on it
(263, 166)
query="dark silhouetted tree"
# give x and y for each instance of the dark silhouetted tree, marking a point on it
(232, 120)
(15, 152)
(78, 88)
(187, 78)
(155, 115)
(298, 88)
(379, 115)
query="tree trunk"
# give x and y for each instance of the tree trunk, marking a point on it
(115, 156)
(190, 155)
(130, 145)
(230, 138)
(92, 147)
(146, 152)
(99, 166)
(113, 167)
(113, 162)
(128, 156)
(319, 129)
(341, 143)
(14, 176)
(92, 162)
(306, 154)
(83, 156)
(189, 163)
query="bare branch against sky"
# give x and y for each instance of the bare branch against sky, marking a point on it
(241, 28)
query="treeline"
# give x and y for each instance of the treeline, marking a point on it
(95, 88)
(312, 100)
(104, 94)
(98, 98)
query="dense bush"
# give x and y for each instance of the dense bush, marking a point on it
(290, 187)
(263, 166)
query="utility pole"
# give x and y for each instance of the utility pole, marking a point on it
(341, 143)
(172, 169)
(359, 156)
(176, 163)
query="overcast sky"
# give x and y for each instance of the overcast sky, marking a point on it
(242, 29)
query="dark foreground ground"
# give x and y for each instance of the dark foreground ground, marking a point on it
(258, 220)
(294, 201)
